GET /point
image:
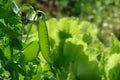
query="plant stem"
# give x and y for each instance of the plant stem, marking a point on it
(28, 32)
(11, 48)
(30, 27)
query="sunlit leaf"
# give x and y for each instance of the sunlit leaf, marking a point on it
(16, 9)
(7, 52)
(31, 51)
(31, 15)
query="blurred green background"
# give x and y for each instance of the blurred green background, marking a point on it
(104, 14)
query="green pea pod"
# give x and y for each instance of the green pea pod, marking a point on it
(43, 39)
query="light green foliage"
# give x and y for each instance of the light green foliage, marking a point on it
(71, 52)
(115, 45)
(79, 52)
(112, 67)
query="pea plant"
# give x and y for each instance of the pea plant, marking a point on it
(18, 51)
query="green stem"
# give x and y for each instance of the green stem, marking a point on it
(28, 32)
(30, 28)
(11, 48)
(33, 23)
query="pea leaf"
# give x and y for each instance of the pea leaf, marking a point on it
(31, 15)
(15, 8)
(31, 51)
